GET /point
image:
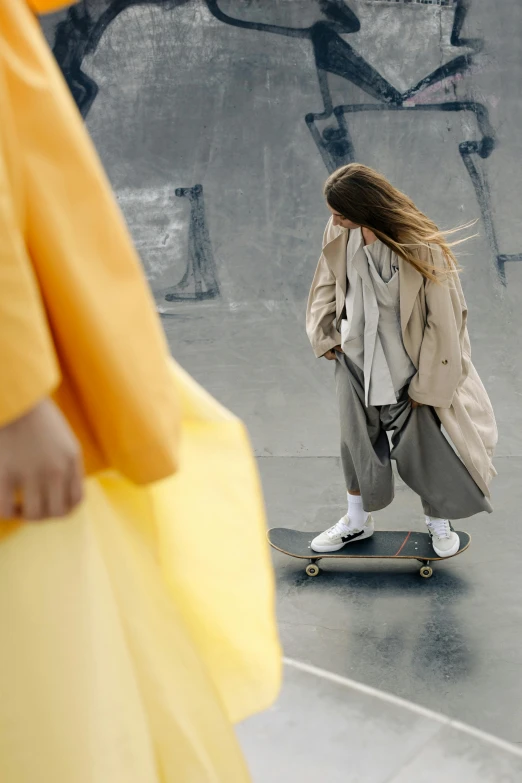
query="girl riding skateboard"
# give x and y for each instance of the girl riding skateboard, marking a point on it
(386, 305)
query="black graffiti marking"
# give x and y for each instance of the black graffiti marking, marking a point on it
(76, 37)
(333, 55)
(502, 260)
(337, 149)
(200, 279)
(71, 44)
(441, 3)
(79, 35)
(85, 24)
(469, 151)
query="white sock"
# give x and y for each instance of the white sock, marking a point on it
(431, 520)
(356, 513)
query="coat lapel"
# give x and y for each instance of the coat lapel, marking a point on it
(335, 254)
(411, 282)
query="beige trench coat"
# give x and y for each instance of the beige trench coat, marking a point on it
(435, 334)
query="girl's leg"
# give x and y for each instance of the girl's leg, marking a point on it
(365, 456)
(428, 464)
(365, 451)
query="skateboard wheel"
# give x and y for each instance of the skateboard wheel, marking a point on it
(312, 569)
(426, 572)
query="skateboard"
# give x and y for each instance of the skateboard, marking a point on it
(384, 544)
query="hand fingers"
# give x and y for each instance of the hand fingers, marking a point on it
(42, 499)
(7, 499)
(65, 490)
(34, 506)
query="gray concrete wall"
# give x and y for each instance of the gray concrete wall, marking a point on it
(177, 95)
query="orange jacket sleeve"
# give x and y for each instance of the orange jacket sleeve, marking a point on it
(47, 6)
(28, 365)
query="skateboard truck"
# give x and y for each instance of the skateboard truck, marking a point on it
(426, 571)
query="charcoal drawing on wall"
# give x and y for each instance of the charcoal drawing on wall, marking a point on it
(80, 33)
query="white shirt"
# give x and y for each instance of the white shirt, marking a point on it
(371, 333)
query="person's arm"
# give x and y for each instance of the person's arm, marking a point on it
(28, 361)
(321, 310)
(40, 460)
(49, 6)
(440, 361)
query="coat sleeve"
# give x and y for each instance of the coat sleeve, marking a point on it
(29, 368)
(321, 310)
(48, 6)
(440, 360)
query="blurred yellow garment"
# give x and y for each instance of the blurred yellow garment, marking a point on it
(136, 631)
(76, 316)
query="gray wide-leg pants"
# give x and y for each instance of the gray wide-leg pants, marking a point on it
(425, 460)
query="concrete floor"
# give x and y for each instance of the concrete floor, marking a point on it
(452, 643)
(348, 733)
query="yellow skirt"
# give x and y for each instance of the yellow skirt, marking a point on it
(139, 629)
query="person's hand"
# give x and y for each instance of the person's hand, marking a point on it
(41, 471)
(415, 404)
(330, 355)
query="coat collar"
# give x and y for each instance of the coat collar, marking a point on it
(411, 280)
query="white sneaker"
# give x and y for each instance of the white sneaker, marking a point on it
(444, 540)
(340, 534)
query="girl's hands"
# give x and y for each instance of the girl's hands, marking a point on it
(330, 355)
(41, 471)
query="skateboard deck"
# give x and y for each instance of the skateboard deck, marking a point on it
(385, 544)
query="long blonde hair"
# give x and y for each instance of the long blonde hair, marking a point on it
(362, 195)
